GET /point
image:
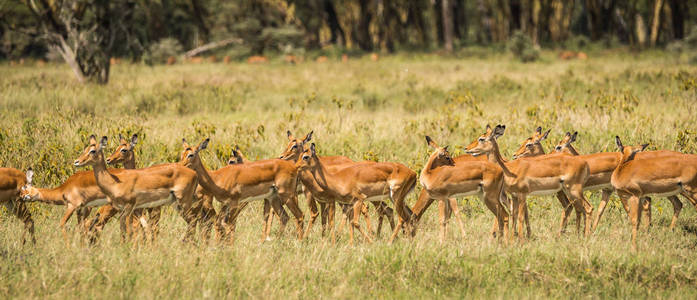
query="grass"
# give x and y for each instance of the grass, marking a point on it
(365, 110)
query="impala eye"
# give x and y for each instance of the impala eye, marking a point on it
(93, 151)
(481, 139)
(306, 157)
(294, 147)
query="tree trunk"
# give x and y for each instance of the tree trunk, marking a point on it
(363, 30)
(656, 21)
(447, 25)
(485, 22)
(678, 9)
(640, 30)
(337, 33)
(460, 20)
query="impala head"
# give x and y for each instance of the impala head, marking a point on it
(236, 158)
(565, 142)
(486, 142)
(628, 152)
(28, 192)
(295, 146)
(93, 152)
(308, 158)
(532, 146)
(190, 154)
(124, 152)
(440, 156)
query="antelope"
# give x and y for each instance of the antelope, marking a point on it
(11, 183)
(130, 190)
(443, 180)
(234, 185)
(667, 175)
(602, 165)
(356, 184)
(124, 154)
(294, 149)
(541, 175)
(424, 201)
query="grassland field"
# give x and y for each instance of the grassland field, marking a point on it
(365, 110)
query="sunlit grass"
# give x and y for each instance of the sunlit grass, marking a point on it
(365, 110)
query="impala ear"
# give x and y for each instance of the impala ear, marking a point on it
(290, 135)
(544, 137)
(446, 148)
(312, 149)
(430, 142)
(538, 130)
(93, 140)
(134, 140)
(619, 143)
(573, 137)
(488, 128)
(643, 147)
(121, 139)
(185, 144)
(103, 142)
(308, 137)
(30, 176)
(498, 131)
(203, 144)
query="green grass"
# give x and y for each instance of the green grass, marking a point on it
(365, 110)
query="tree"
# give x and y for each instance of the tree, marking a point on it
(82, 32)
(447, 25)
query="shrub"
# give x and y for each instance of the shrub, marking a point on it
(522, 47)
(163, 49)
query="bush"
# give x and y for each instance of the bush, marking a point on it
(522, 47)
(163, 49)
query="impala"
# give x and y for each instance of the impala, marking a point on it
(541, 175)
(294, 149)
(667, 175)
(234, 185)
(443, 180)
(130, 190)
(356, 184)
(11, 183)
(125, 155)
(602, 165)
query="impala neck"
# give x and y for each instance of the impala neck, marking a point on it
(570, 149)
(51, 196)
(130, 164)
(207, 182)
(105, 180)
(320, 174)
(430, 165)
(420, 206)
(538, 150)
(494, 156)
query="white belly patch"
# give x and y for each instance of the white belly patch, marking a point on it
(270, 194)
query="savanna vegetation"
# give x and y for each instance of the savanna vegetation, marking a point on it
(367, 110)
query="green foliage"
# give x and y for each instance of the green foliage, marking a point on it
(522, 47)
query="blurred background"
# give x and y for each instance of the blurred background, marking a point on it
(88, 34)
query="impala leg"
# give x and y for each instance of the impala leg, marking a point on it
(424, 201)
(677, 206)
(331, 212)
(357, 208)
(324, 209)
(20, 210)
(582, 204)
(366, 217)
(314, 212)
(635, 210)
(276, 204)
(268, 219)
(291, 200)
(521, 203)
(601, 207)
(646, 207)
(68, 213)
(123, 221)
(154, 220)
(456, 211)
(442, 215)
(566, 207)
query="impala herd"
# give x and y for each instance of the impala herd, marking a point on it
(503, 185)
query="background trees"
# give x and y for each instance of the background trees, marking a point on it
(86, 33)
